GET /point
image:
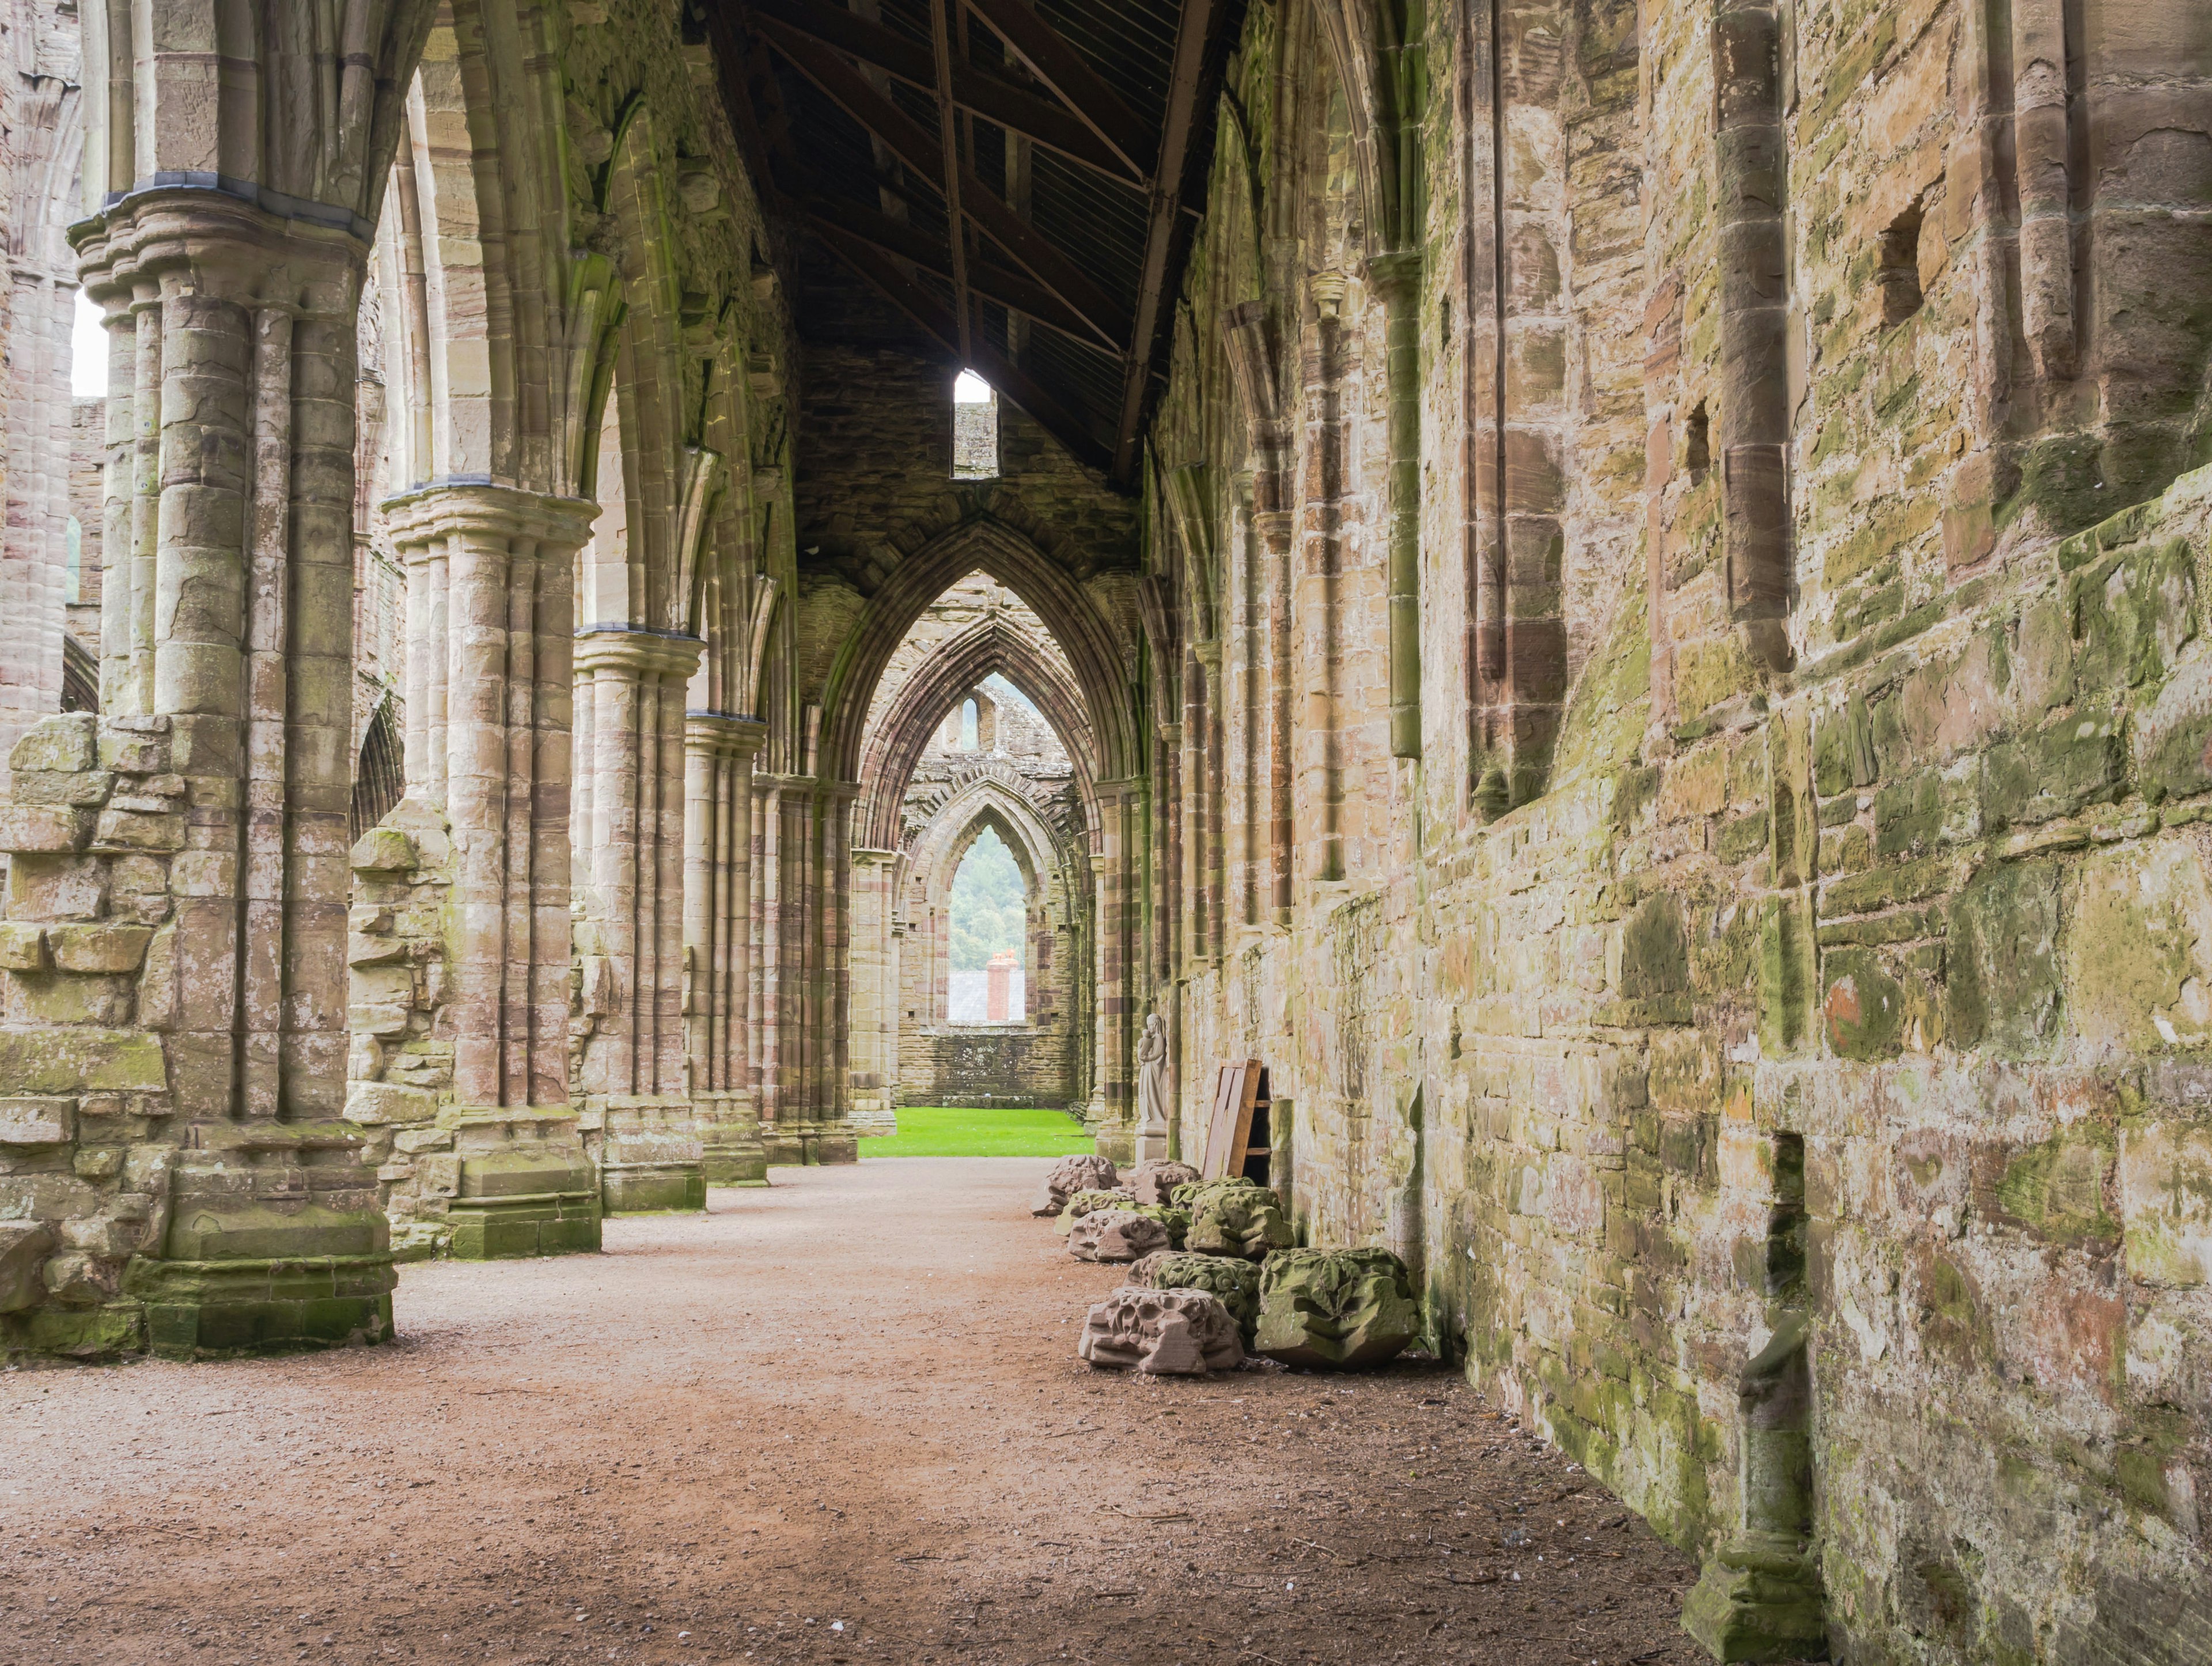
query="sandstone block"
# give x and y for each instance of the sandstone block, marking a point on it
(1114, 1235)
(1335, 1309)
(1155, 1183)
(1164, 1332)
(1238, 1219)
(380, 1019)
(2165, 1203)
(78, 1277)
(375, 1103)
(1231, 1280)
(102, 1235)
(1068, 1176)
(385, 850)
(137, 830)
(37, 1120)
(65, 741)
(1081, 1204)
(22, 946)
(134, 755)
(99, 1163)
(23, 1246)
(109, 948)
(44, 828)
(80, 789)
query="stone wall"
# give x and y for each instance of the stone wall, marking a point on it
(1782, 1060)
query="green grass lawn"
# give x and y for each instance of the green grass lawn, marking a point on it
(950, 1130)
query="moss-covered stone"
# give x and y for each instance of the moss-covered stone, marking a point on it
(1235, 1279)
(2075, 761)
(1082, 1203)
(2004, 984)
(1336, 1309)
(1238, 1221)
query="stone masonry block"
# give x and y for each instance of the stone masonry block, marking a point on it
(44, 1120)
(109, 948)
(372, 1103)
(23, 1247)
(44, 827)
(22, 946)
(61, 742)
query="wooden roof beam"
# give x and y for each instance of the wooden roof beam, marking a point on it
(918, 248)
(1059, 67)
(974, 90)
(920, 152)
(1155, 284)
(929, 314)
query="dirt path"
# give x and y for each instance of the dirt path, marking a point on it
(839, 1420)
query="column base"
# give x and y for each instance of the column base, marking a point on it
(275, 1241)
(1118, 1145)
(652, 1161)
(198, 1310)
(796, 1144)
(1759, 1601)
(527, 1186)
(729, 1150)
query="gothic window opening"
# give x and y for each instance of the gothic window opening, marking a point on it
(987, 980)
(975, 429)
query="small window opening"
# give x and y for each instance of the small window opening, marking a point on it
(975, 429)
(1697, 453)
(1900, 267)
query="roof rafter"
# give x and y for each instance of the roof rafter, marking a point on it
(1058, 65)
(1163, 230)
(922, 156)
(976, 90)
(919, 249)
(936, 322)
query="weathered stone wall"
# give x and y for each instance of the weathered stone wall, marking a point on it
(1829, 957)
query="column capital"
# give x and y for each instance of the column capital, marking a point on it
(1206, 651)
(741, 737)
(1395, 274)
(634, 649)
(415, 520)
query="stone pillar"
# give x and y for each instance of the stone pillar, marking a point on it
(874, 1019)
(718, 849)
(176, 941)
(475, 1063)
(33, 553)
(1396, 279)
(1113, 1094)
(633, 1054)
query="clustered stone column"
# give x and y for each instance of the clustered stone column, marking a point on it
(176, 941)
(718, 838)
(1120, 817)
(633, 1046)
(461, 934)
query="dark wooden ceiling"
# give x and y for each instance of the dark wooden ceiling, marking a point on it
(1070, 140)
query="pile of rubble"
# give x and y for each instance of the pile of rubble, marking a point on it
(1215, 1275)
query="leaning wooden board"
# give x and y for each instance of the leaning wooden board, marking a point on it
(1236, 1091)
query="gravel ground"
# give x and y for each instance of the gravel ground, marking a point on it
(837, 1420)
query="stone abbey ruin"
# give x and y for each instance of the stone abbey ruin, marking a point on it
(1620, 593)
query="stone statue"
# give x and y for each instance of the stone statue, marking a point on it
(1153, 1090)
(1152, 1075)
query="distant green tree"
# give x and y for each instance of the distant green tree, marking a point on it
(989, 904)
